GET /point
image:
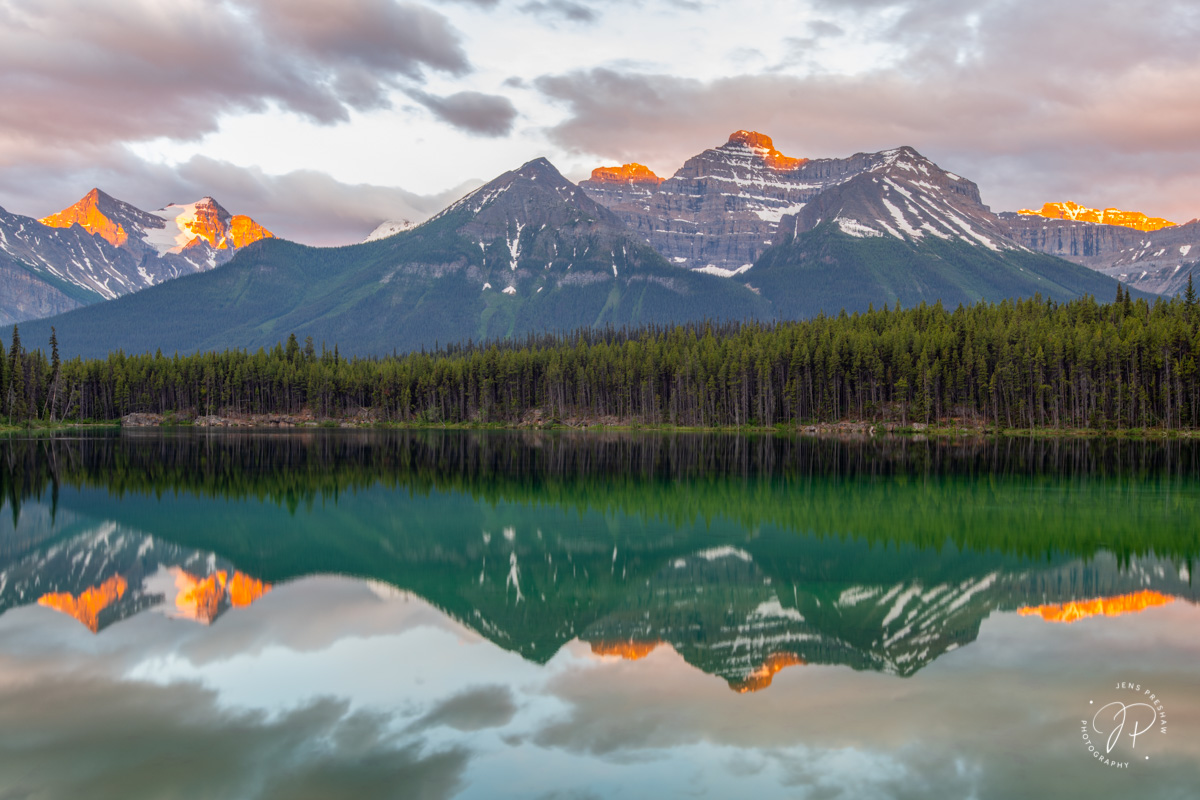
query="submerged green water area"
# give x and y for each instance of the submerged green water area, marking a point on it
(595, 577)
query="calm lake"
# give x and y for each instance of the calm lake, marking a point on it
(369, 614)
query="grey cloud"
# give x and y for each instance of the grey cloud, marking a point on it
(474, 112)
(819, 29)
(377, 34)
(566, 9)
(305, 206)
(472, 710)
(1064, 101)
(57, 740)
(71, 76)
(823, 27)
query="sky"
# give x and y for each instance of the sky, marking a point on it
(322, 119)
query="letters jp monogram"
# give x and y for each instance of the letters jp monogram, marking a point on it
(1119, 717)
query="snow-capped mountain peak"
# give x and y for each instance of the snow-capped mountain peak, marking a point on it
(206, 220)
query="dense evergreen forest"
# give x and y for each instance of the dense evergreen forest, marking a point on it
(1015, 364)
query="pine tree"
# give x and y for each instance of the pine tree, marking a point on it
(1189, 294)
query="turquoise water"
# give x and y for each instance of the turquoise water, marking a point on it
(460, 614)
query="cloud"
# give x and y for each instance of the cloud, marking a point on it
(835, 732)
(177, 741)
(821, 27)
(1032, 101)
(472, 710)
(565, 9)
(73, 75)
(305, 205)
(473, 112)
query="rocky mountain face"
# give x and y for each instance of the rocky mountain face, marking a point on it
(719, 212)
(24, 294)
(533, 226)
(905, 196)
(725, 207)
(101, 248)
(903, 230)
(1157, 261)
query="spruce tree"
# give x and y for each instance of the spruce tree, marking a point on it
(16, 382)
(1189, 294)
(55, 369)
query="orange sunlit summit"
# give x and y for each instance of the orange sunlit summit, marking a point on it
(762, 143)
(87, 214)
(1108, 216)
(632, 173)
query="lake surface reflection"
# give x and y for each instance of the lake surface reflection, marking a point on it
(461, 614)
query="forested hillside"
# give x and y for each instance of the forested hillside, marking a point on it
(1028, 363)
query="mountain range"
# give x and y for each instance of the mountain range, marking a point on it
(740, 232)
(101, 248)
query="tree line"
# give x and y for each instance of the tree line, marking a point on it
(1014, 364)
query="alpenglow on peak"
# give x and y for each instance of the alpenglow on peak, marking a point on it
(1108, 216)
(763, 147)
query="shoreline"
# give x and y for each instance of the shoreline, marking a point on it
(848, 429)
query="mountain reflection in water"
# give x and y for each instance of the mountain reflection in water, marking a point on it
(624, 609)
(744, 554)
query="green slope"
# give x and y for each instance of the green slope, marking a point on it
(826, 270)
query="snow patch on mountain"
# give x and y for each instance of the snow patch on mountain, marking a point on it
(852, 227)
(390, 228)
(712, 269)
(176, 234)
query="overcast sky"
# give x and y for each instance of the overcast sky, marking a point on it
(321, 119)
